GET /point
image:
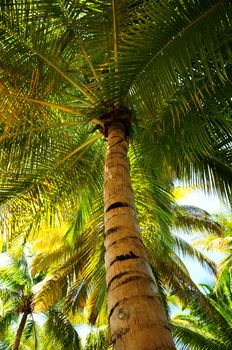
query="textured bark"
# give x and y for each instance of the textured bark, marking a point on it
(136, 315)
(20, 331)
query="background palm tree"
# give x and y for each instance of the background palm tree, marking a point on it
(21, 328)
(82, 58)
(17, 299)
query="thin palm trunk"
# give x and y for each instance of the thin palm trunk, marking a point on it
(137, 318)
(20, 331)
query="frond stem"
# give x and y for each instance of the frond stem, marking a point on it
(115, 33)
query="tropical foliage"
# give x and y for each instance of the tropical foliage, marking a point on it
(155, 73)
(47, 152)
(98, 340)
(202, 329)
(67, 267)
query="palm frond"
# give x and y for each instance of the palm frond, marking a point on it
(98, 340)
(192, 218)
(197, 327)
(186, 338)
(186, 249)
(59, 332)
(187, 52)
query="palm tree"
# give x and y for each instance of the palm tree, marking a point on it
(150, 66)
(16, 296)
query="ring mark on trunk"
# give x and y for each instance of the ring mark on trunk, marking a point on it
(123, 257)
(117, 205)
(113, 230)
(128, 238)
(113, 308)
(115, 278)
(129, 279)
(116, 142)
(124, 300)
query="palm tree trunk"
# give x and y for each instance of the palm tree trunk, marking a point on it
(136, 315)
(20, 331)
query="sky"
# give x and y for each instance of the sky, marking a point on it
(212, 205)
(209, 203)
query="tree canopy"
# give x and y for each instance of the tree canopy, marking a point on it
(77, 75)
